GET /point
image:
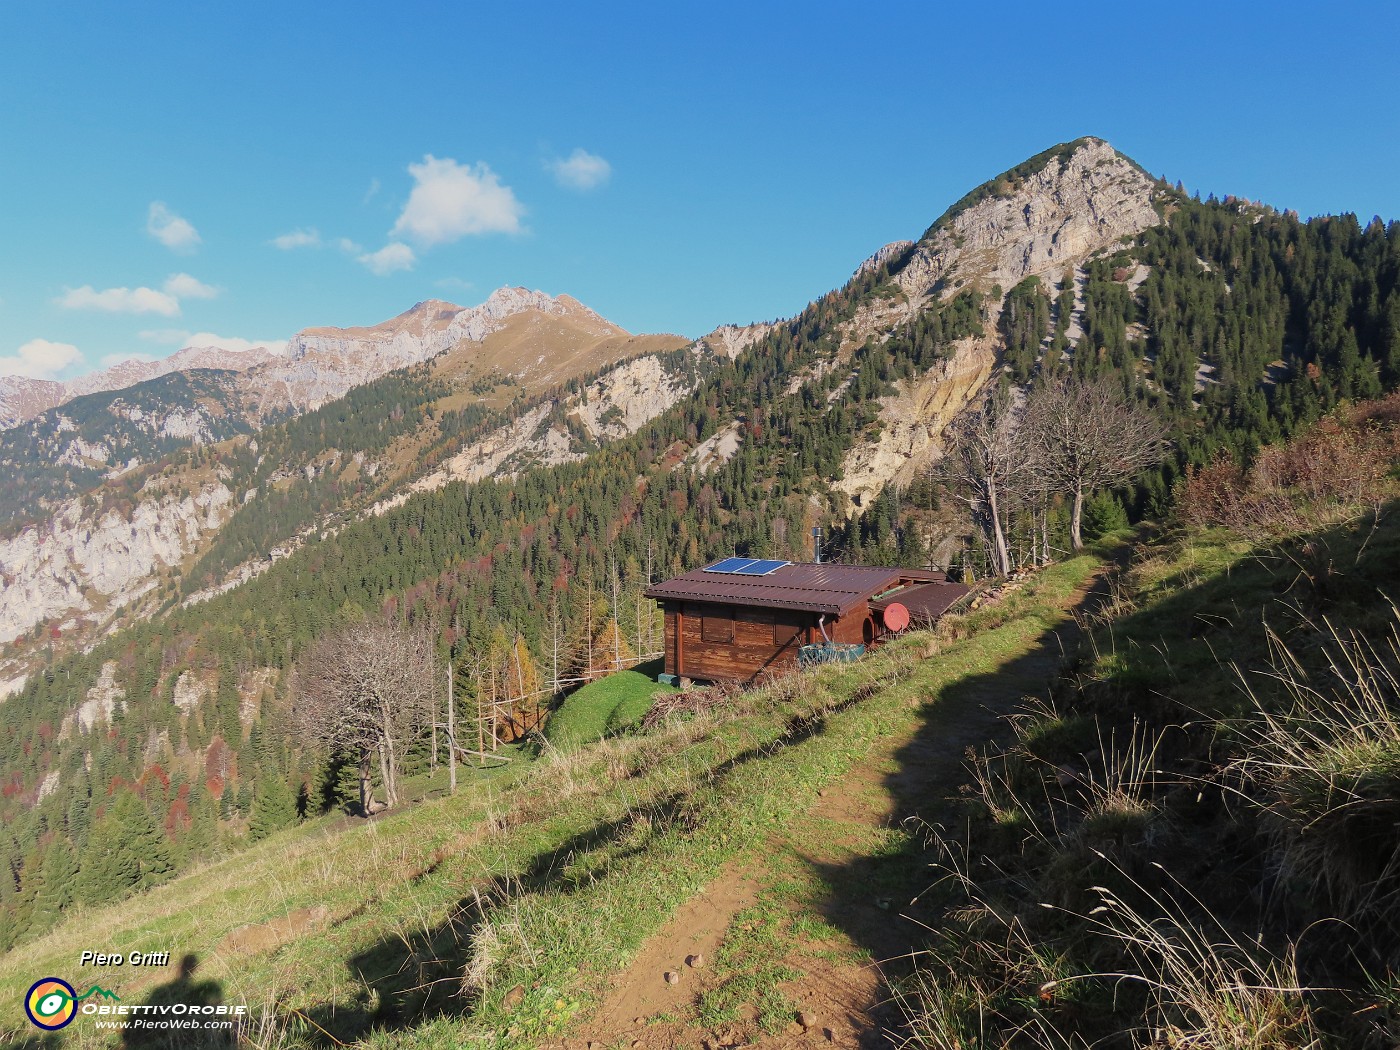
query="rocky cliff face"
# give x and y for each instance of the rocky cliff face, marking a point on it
(76, 568)
(1045, 224)
(619, 402)
(913, 421)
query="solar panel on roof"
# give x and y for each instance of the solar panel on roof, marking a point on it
(729, 565)
(759, 568)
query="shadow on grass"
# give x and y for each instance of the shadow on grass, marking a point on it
(183, 992)
(868, 897)
(409, 979)
(405, 980)
(1164, 665)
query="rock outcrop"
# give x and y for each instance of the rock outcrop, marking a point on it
(913, 421)
(619, 402)
(1050, 220)
(1046, 224)
(730, 340)
(890, 251)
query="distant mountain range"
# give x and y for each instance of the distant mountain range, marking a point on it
(69, 437)
(22, 399)
(319, 364)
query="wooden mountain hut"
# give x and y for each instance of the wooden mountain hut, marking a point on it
(739, 617)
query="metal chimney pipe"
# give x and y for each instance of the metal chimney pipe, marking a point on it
(817, 543)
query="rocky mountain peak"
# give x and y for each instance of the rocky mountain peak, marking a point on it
(324, 363)
(1041, 217)
(890, 251)
(506, 300)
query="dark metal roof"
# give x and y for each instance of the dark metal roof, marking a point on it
(926, 602)
(822, 588)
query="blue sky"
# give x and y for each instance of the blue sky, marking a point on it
(674, 166)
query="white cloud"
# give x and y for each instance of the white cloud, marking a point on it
(141, 300)
(39, 359)
(183, 286)
(120, 300)
(348, 246)
(389, 259)
(371, 192)
(180, 337)
(170, 229)
(450, 201)
(581, 170)
(307, 238)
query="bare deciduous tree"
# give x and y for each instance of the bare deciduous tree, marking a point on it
(1088, 436)
(984, 462)
(368, 689)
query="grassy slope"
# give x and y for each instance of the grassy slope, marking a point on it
(606, 706)
(1155, 790)
(547, 876)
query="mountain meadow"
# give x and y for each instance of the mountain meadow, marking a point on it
(1138, 789)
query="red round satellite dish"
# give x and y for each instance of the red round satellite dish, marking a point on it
(896, 617)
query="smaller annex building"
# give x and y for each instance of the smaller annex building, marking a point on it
(740, 617)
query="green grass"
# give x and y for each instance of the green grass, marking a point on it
(547, 876)
(751, 959)
(606, 706)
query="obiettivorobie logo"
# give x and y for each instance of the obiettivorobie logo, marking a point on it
(52, 1003)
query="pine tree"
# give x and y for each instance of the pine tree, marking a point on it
(126, 850)
(274, 807)
(57, 880)
(203, 835)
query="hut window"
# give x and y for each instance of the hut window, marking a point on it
(783, 633)
(717, 626)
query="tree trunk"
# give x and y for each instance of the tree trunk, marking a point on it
(1000, 556)
(365, 796)
(519, 681)
(451, 737)
(1076, 539)
(480, 717)
(384, 775)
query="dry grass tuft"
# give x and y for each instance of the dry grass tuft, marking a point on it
(1326, 769)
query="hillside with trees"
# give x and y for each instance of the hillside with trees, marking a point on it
(1227, 328)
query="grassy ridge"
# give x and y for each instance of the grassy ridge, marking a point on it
(545, 878)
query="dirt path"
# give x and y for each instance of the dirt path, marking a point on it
(852, 914)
